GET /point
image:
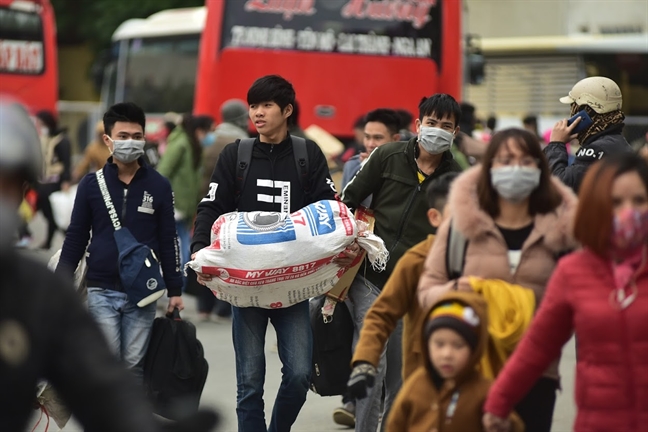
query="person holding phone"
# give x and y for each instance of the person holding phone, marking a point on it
(596, 121)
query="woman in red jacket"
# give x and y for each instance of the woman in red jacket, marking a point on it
(601, 293)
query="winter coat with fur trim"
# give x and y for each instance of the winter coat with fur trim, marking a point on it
(487, 251)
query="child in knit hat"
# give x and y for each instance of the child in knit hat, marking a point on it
(447, 394)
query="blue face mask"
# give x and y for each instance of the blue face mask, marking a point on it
(209, 139)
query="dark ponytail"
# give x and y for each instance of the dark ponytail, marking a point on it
(190, 124)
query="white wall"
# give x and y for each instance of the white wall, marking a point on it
(513, 18)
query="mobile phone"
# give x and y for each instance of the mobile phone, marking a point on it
(586, 121)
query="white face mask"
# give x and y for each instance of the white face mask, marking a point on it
(434, 140)
(127, 151)
(515, 183)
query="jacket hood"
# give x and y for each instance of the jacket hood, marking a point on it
(478, 304)
(472, 221)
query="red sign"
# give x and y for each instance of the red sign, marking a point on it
(286, 7)
(21, 57)
(416, 12)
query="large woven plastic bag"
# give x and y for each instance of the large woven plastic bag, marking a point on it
(275, 260)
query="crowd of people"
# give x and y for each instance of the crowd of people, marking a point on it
(502, 247)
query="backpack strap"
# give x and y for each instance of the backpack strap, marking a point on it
(301, 161)
(244, 158)
(105, 193)
(455, 252)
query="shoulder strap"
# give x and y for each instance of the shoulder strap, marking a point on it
(301, 160)
(244, 157)
(455, 252)
(103, 187)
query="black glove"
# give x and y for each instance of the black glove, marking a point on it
(363, 377)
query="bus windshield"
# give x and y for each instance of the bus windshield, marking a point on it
(336, 26)
(21, 42)
(161, 73)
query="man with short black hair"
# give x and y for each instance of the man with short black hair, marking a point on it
(271, 170)
(380, 127)
(396, 175)
(45, 332)
(143, 201)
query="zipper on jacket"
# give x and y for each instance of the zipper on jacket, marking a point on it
(628, 358)
(401, 226)
(123, 215)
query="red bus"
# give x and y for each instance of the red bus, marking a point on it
(344, 57)
(28, 60)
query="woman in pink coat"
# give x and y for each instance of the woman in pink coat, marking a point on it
(601, 293)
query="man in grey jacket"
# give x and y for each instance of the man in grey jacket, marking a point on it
(600, 98)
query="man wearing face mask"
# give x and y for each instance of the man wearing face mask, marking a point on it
(397, 175)
(45, 332)
(600, 99)
(143, 201)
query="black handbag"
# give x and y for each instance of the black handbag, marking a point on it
(175, 368)
(332, 348)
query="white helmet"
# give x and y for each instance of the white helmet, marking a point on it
(20, 147)
(600, 93)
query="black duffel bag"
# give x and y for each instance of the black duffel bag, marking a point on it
(332, 348)
(175, 368)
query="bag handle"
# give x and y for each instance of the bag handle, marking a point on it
(105, 193)
(175, 315)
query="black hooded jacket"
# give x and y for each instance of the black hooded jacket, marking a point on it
(271, 173)
(605, 143)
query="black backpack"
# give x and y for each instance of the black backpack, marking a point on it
(455, 253)
(332, 348)
(175, 369)
(244, 157)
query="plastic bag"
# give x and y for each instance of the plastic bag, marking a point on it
(62, 204)
(274, 260)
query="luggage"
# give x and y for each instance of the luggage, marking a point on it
(175, 369)
(332, 346)
(293, 254)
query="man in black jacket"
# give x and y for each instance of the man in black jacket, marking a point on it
(600, 98)
(273, 184)
(45, 332)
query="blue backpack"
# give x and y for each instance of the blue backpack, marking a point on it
(139, 268)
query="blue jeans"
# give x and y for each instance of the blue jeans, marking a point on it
(127, 328)
(362, 295)
(295, 343)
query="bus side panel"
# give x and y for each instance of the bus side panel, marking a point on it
(451, 76)
(332, 89)
(204, 97)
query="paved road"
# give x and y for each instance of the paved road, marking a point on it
(220, 390)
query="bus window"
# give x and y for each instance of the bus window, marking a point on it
(342, 26)
(161, 73)
(21, 42)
